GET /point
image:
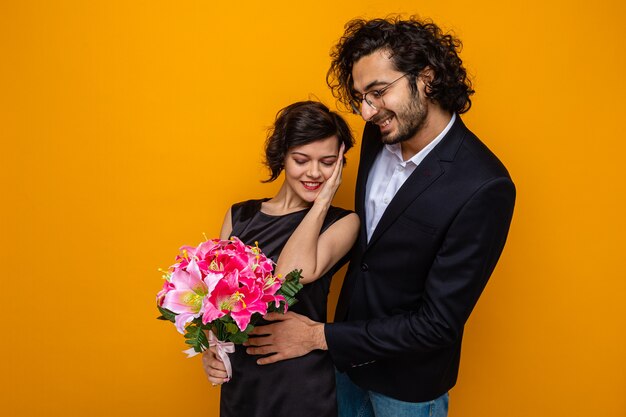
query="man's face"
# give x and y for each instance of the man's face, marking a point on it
(401, 113)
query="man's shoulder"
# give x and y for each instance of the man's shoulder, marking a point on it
(475, 156)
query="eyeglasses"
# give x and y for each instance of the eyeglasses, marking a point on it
(373, 98)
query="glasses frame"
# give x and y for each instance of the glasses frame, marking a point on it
(380, 92)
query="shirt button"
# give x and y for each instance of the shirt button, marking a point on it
(364, 267)
(386, 201)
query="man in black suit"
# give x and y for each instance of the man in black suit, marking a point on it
(435, 207)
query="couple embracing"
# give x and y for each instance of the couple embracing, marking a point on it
(433, 207)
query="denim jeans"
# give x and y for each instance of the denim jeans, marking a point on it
(354, 401)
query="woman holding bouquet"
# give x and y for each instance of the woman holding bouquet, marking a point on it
(299, 229)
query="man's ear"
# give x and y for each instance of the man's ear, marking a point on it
(427, 75)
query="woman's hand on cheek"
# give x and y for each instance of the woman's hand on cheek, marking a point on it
(331, 185)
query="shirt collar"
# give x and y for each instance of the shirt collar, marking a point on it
(396, 149)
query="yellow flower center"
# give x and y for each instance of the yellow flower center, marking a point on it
(215, 266)
(193, 300)
(269, 281)
(239, 297)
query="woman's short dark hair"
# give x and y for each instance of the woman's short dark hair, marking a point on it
(413, 45)
(298, 124)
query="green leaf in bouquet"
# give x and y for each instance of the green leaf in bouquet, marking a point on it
(290, 288)
(231, 328)
(196, 337)
(219, 328)
(294, 276)
(238, 338)
(226, 319)
(166, 314)
(241, 336)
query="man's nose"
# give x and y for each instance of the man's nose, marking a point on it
(367, 111)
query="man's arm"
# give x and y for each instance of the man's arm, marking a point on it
(290, 336)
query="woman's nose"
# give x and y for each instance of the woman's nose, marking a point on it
(314, 171)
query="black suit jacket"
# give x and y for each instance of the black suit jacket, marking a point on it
(409, 291)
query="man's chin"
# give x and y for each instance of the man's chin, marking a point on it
(397, 136)
(389, 139)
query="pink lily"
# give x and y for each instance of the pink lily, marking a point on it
(186, 298)
(240, 301)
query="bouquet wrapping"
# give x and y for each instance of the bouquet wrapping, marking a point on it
(216, 291)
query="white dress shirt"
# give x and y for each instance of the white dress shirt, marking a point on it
(388, 174)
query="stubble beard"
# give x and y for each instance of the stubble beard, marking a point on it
(410, 120)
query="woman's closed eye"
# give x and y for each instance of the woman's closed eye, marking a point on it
(329, 162)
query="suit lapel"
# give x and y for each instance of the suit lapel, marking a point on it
(424, 175)
(370, 146)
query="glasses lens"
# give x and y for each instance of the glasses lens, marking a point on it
(374, 99)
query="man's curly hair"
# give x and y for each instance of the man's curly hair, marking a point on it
(413, 45)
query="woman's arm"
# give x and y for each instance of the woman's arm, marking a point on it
(306, 249)
(315, 254)
(227, 226)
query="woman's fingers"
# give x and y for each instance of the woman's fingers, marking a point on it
(214, 368)
(339, 164)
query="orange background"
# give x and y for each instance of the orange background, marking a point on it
(129, 127)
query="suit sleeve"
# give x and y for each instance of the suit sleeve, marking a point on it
(459, 273)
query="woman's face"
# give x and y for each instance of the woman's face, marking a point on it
(308, 166)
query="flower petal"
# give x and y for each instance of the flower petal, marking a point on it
(210, 312)
(182, 320)
(184, 280)
(182, 301)
(242, 318)
(211, 280)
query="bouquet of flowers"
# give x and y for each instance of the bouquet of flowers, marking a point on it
(215, 293)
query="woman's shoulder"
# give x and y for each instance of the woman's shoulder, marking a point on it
(334, 214)
(246, 209)
(339, 211)
(249, 203)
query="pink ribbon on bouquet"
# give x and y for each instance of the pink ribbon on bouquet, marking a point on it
(223, 349)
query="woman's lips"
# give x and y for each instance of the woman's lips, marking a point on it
(311, 186)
